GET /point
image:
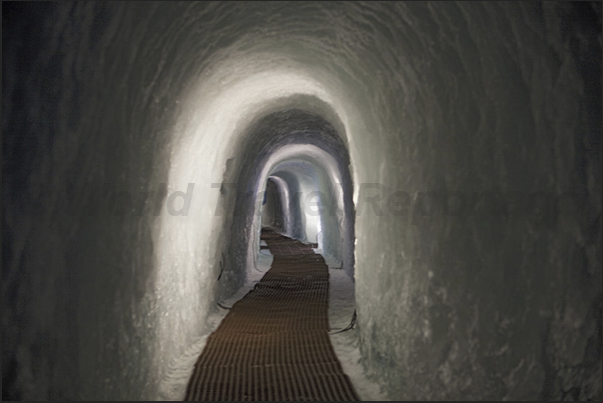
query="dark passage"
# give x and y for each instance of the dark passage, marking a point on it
(274, 343)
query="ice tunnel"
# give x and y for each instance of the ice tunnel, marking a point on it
(444, 157)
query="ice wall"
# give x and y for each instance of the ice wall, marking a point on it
(105, 280)
(501, 298)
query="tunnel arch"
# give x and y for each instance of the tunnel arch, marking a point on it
(281, 145)
(447, 97)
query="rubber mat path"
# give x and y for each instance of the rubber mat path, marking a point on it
(274, 342)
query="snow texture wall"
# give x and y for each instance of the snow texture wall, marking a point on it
(124, 124)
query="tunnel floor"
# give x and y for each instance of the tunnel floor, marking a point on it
(274, 343)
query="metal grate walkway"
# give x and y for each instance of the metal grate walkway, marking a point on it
(274, 343)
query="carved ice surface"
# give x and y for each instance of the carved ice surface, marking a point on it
(113, 263)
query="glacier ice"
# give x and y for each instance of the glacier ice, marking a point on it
(109, 109)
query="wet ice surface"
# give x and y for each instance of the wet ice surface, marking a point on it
(341, 309)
